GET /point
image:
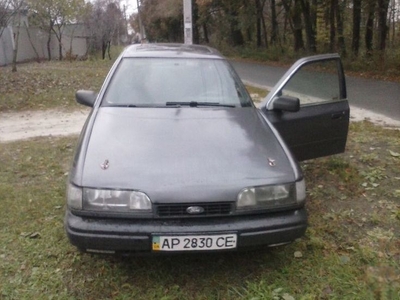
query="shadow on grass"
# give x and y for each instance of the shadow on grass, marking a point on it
(195, 275)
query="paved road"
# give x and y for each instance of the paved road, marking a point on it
(378, 96)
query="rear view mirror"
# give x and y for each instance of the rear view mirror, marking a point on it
(286, 103)
(86, 97)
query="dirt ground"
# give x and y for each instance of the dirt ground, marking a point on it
(29, 124)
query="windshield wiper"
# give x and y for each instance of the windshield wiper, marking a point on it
(143, 105)
(197, 104)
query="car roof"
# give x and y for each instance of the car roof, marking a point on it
(171, 51)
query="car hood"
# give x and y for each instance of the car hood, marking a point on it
(183, 154)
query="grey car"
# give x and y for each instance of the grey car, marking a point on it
(175, 156)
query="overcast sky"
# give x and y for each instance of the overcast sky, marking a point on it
(131, 6)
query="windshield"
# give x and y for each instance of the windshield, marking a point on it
(176, 81)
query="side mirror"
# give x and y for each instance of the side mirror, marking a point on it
(86, 97)
(286, 103)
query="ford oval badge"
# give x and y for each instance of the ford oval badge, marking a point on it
(194, 210)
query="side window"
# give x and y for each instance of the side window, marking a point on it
(314, 83)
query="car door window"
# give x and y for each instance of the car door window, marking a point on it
(314, 83)
(319, 127)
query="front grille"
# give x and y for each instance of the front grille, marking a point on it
(180, 210)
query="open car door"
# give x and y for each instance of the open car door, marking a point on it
(309, 108)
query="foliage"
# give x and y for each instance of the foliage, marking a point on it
(106, 24)
(288, 26)
(16, 9)
(4, 14)
(52, 15)
(163, 20)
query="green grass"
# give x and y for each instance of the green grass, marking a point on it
(256, 93)
(49, 84)
(52, 84)
(350, 251)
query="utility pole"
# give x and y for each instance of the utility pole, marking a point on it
(187, 20)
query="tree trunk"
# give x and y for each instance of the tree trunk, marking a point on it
(60, 54)
(70, 54)
(103, 48)
(288, 19)
(109, 49)
(369, 30)
(294, 15)
(205, 32)
(33, 46)
(264, 27)
(236, 34)
(383, 6)
(355, 44)
(297, 27)
(248, 9)
(196, 35)
(340, 27)
(15, 50)
(274, 23)
(392, 23)
(332, 27)
(48, 44)
(258, 22)
(310, 33)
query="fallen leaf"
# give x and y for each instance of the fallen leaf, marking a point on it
(287, 297)
(34, 235)
(298, 254)
(394, 154)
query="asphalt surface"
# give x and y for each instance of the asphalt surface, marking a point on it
(378, 96)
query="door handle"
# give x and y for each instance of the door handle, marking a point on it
(338, 116)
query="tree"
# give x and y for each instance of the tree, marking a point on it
(6, 12)
(293, 13)
(232, 14)
(309, 15)
(274, 23)
(355, 44)
(383, 6)
(340, 26)
(369, 30)
(106, 24)
(332, 24)
(163, 20)
(67, 12)
(16, 7)
(204, 19)
(52, 17)
(316, 26)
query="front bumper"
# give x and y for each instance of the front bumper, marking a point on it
(134, 235)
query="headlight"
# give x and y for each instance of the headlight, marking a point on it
(272, 196)
(115, 200)
(74, 197)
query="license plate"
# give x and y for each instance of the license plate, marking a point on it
(194, 242)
